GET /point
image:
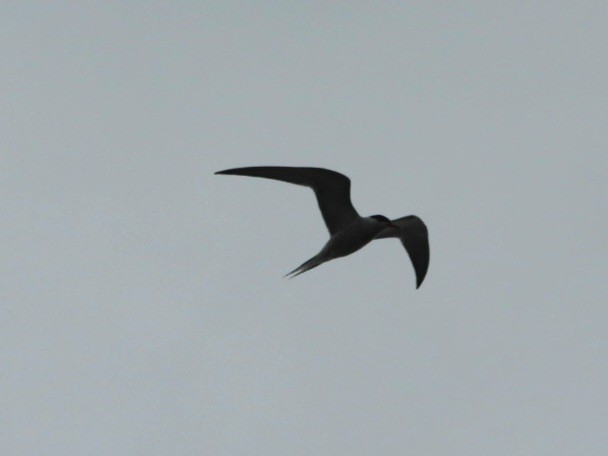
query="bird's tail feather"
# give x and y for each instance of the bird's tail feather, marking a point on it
(306, 266)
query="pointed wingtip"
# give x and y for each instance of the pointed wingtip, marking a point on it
(419, 280)
(226, 171)
(230, 171)
(420, 276)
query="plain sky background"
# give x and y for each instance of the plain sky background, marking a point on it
(143, 310)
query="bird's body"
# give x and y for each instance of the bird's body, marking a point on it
(353, 237)
(344, 242)
(348, 231)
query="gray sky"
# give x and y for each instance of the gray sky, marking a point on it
(142, 306)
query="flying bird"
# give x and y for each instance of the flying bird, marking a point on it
(348, 231)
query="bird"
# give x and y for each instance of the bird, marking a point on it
(348, 231)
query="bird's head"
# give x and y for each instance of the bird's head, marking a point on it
(384, 220)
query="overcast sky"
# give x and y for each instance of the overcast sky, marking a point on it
(142, 305)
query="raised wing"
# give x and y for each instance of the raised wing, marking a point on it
(415, 238)
(332, 189)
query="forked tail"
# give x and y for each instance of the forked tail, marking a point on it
(306, 266)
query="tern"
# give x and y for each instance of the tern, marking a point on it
(348, 231)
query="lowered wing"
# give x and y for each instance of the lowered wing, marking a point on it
(415, 238)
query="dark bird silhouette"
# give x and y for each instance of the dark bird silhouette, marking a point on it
(348, 231)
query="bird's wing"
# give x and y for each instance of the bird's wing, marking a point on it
(415, 238)
(332, 189)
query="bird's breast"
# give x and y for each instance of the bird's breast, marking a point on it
(351, 239)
